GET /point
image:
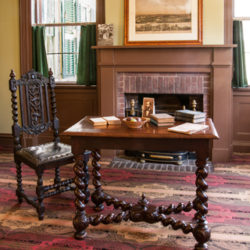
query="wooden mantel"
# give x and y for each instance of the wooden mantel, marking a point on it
(216, 60)
(164, 46)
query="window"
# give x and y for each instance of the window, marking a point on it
(62, 20)
(241, 12)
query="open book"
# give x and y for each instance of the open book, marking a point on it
(188, 128)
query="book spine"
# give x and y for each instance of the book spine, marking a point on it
(161, 124)
(187, 119)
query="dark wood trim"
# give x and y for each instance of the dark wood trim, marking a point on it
(25, 36)
(6, 142)
(100, 11)
(165, 46)
(228, 21)
(241, 91)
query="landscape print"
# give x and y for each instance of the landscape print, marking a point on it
(163, 16)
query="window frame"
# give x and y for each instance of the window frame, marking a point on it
(242, 18)
(26, 33)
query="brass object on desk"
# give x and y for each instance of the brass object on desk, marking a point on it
(194, 105)
(132, 110)
(132, 107)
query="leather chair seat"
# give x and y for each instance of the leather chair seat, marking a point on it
(45, 153)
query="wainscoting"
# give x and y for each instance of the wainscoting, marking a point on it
(241, 120)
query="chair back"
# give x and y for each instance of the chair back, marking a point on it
(33, 105)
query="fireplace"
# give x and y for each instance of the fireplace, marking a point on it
(196, 71)
(171, 91)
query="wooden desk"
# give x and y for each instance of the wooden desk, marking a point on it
(86, 137)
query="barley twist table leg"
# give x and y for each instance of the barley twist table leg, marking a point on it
(98, 196)
(80, 220)
(201, 231)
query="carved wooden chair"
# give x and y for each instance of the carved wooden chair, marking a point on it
(37, 114)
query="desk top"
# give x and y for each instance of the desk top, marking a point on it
(84, 128)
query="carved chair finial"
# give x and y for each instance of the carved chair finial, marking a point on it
(50, 72)
(12, 74)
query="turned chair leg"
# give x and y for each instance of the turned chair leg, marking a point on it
(40, 195)
(19, 189)
(57, 176)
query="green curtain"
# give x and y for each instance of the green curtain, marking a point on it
(239, 74)
(39, 57)
(86, 70)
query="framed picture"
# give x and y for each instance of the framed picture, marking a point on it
(105, 34)
(160, 22)
(148, 107)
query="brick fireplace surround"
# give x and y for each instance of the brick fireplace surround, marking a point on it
(189, 69)
(161, 83)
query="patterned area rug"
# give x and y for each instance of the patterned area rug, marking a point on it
(229, 210)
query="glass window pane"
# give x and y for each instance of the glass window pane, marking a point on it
(62, 39)
(62, 46)
(241, 8)
(64, 67)
(246, 30)
(68, 11)
(33, 12)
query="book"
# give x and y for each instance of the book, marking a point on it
(190, 113)
(162, 117)
(162, 124)
(112, 120)
(190, 119)
(98, 121)
(188, 128)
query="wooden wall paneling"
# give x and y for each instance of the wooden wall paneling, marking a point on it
(100, 11)
(222, 105)
(241, 121)
(6, 143)
(73, 103)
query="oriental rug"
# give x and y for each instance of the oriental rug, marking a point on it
(228, 217)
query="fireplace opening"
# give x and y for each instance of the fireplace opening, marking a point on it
(164, 103)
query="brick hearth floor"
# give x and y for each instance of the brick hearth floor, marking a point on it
(132, 163)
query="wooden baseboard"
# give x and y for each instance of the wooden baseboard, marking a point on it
(6, 142)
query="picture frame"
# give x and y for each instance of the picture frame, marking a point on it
(105, 34)
(148, 107)
(163, 22)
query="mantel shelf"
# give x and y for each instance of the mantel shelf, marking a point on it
(165, 46)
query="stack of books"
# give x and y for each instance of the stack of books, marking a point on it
(162, 119)
(190, 116)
